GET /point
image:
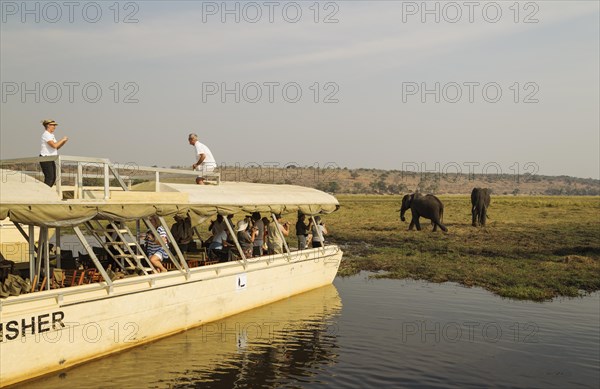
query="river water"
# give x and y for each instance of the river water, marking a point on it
(363, 332)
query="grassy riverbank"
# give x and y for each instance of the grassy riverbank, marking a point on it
(532, 248)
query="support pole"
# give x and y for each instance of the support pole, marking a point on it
(58, 248)
(79, 184)
(21, 231)
(116, 174)
(106, 182)
(137, 235)
(31, 240)
(287, 249)
(97, 263)
(314, 223)
(47, 258)
(237, 243)
(174, 244)
(162, 243)
(40, 255)
(58, 177)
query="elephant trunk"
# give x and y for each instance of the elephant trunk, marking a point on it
(406, 202)
(402, 211)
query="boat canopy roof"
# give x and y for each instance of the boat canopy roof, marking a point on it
(27, 200)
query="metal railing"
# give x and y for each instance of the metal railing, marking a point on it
(104, 170)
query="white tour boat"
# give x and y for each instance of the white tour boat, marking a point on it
(52, 328)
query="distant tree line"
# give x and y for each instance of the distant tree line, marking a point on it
(569, 191)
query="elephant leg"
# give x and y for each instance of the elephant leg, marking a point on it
(483, 216)
(411, 225)
(438, 223)
(417, 224)
(474, 214)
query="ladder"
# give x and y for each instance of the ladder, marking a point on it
(122, 240)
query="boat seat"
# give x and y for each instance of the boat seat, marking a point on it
(34, 284)
(67, 277)
(198, 255)
(218, 255)
(92, 276)
(169, 265)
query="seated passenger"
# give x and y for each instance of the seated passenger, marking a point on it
(246, 239)
(182, 232)
(216, 250)
(155, 252)
(218, 225)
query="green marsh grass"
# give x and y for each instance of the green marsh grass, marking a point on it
(532, 248)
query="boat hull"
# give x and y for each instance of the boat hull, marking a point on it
(52, 330)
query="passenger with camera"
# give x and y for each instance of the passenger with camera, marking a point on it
(274, 240)
(318, 231)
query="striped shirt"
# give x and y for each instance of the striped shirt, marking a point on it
(154, 246)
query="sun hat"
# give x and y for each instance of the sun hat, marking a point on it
(241, 225)
(48, 122)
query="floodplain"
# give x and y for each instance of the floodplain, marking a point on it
(532, 247)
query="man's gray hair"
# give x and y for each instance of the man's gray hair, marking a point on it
(192, 136)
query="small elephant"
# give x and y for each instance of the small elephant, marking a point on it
(428, 206)
(480, 201)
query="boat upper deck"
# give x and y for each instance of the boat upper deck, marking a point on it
(25, 199)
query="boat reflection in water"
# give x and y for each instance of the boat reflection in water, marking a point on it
(279, 344)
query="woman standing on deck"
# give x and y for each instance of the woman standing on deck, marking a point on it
(156, 253)
(50, 147)
(318, 230)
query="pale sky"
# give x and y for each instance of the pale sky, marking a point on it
(369, 74)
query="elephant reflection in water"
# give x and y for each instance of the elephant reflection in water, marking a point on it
(480, 201)
(428, 206)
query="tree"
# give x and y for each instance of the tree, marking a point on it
(333, 187)
(359, 187)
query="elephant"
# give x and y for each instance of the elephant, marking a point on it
(428, 206)
(480, 201)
